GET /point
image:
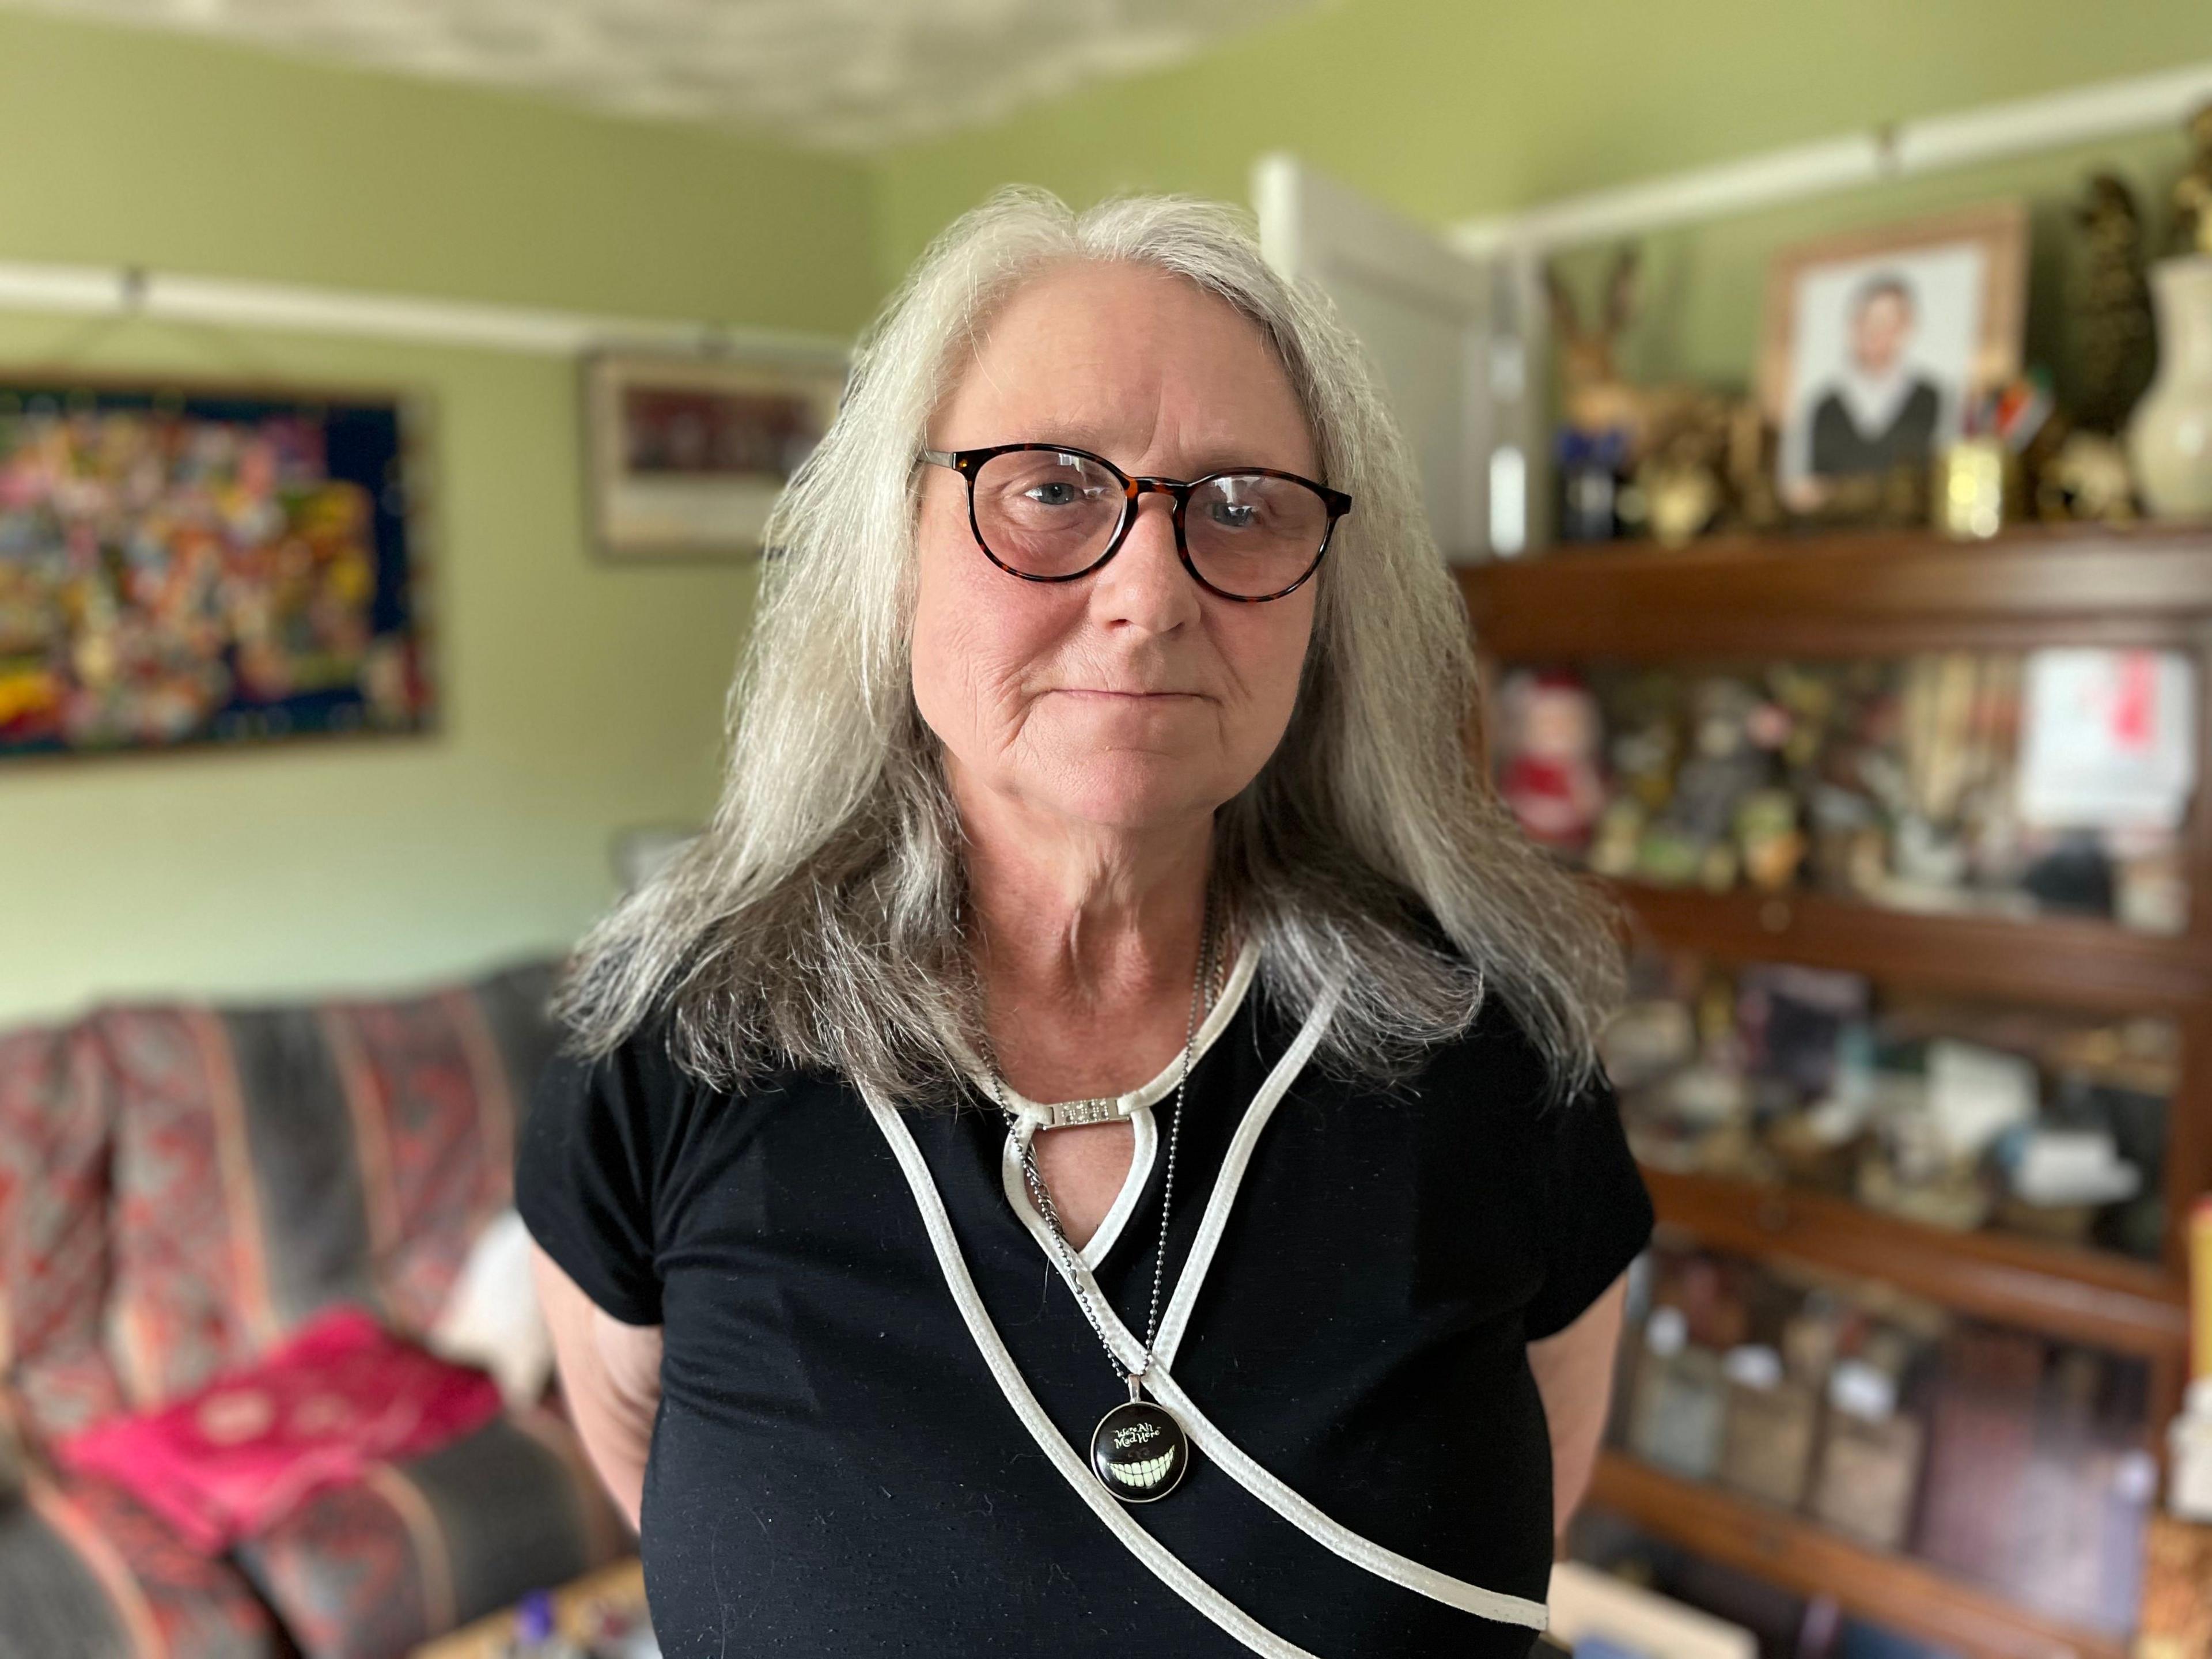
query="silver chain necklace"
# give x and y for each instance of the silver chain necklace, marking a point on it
(1139, 1451)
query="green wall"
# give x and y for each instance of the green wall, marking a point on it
(191, 156)
(1453, 111)
(579, 698)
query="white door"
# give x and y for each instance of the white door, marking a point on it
(1449, 335)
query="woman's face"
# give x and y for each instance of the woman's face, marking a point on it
(1129, 698)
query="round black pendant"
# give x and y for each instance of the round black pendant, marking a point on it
(1139, 1451)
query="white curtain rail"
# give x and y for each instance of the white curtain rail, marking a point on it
(95, 290)
(1994, 132)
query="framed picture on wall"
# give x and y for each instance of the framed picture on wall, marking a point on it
(1880, 342)
(184, 565)
(685, 455)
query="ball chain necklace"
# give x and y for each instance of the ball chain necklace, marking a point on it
(1139, 1451)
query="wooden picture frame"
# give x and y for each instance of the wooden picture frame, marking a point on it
(685, 454)
(1953, 287)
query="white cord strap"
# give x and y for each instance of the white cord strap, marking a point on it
(1158, 1381)
(1220, 1201)
(1338, 1539)
(1164, 1564)
(1331, 1535)
(1215, 1217)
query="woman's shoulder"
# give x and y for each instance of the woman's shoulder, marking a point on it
(649, 1083)
(1498, 1061)
(640, 1064)
(1496, 1042)
(1497, 1054)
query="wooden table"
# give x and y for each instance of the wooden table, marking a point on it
(2176, 1600)
(622, 1582)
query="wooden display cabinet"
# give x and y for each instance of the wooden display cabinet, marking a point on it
(1890, 595)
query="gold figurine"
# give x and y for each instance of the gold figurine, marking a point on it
(2192, 192)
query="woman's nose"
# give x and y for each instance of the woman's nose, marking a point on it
(1144, 584)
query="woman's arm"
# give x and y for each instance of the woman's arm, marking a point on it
(1574, 1375)
(609, 1376)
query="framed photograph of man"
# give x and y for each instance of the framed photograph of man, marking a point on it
(1879, 342)
(685, 455)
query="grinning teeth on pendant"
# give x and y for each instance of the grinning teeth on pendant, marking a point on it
(1149, 1473)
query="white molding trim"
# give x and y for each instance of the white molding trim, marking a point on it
(1992, 132)
(122, 291)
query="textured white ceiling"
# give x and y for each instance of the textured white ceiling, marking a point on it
(849, 75)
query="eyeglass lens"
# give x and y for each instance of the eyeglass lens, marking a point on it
(1046, 512)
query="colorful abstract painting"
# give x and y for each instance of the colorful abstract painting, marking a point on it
(202, 566)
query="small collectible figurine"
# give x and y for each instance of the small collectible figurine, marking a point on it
(2087, 478)
(2113, 346)
(1681, 497)
(1750, 468)
(1550, 778)
(2191, 232)
(1694, 839)
(1590, 486)
(1597, 401)
(1643, 743)
(1807, 699)
(1768, 839)
(1620, 833)
(1679, 421)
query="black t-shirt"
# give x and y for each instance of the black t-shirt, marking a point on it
(835, 1471)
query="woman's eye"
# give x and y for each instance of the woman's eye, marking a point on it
(1233, 515)
(1053, 492)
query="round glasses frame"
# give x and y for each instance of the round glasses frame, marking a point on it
(969, 462)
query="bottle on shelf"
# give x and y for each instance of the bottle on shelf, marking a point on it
(1681, 1402)
(2189, 1436)
(1870, 1460)
(1767, 1449)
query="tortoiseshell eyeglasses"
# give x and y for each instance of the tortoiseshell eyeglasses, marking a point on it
(1047, 512)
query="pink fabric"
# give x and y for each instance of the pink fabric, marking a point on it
(228, 1461)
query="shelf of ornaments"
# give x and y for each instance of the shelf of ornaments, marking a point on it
(1846, 594)
(1746, 602)
(2002, 952)
(1753, 1199)
(2095, 1298)
(1799, 1554)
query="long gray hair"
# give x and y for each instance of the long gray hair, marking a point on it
(817, 920)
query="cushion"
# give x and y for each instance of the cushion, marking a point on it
(54, 1262)
(226, 1462)
(368, 1570)
(493, 1321)
(86, 1572)
(270, 1162)
(11, 1461)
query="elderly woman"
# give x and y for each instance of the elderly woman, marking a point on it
(1099, 1148)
